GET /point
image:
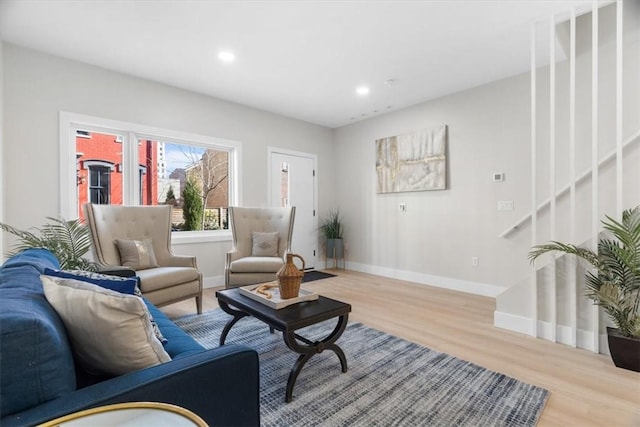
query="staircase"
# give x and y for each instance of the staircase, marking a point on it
(569, 133)
(563, 315)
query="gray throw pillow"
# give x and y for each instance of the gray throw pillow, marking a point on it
(264, 244)
(137, 254)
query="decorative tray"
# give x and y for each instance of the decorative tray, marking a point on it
(276, 301)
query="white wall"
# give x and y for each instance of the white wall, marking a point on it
(36, 87)
(434, 241)
(489, 131)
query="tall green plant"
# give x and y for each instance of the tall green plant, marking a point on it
(192, 208)
(170, 199)
(69, 241)
(331, 225)
(615, 284)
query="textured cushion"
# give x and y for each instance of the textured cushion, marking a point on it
(36, 362)
(257, 264)
(179, 344)
(110, 332)
(34, 258)
(264, 244)
(137, 254)
(155, 279)
(125, 285)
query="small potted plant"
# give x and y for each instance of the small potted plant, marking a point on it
(331, 226)
(615, 284)
(69, 241)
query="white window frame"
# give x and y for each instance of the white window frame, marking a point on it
(69, 122)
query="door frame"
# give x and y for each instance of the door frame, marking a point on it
(273, 150)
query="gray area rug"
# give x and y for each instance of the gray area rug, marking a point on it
(390, 381)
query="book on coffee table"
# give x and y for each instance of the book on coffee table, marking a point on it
(276, 301)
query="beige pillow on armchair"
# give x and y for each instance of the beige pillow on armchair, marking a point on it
(137, 254)
(264, 244)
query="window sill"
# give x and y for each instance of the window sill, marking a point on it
(188, 237)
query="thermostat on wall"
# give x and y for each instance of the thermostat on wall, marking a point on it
(498, 176)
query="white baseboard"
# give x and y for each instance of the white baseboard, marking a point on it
(212, 282)
(564, 334)
(512, 322)
(484, 289)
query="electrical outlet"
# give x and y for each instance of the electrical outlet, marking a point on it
(475, 261)
(403, 207)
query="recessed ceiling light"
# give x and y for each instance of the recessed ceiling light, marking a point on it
(226, 56)
(362, 90)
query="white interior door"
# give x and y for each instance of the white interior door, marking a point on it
(292, 183)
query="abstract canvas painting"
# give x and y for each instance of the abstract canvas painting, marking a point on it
(412, 162)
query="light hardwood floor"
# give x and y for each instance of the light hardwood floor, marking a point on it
(586, 388)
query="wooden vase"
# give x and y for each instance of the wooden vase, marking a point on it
(290, 277)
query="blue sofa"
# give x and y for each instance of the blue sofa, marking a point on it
(39, 380)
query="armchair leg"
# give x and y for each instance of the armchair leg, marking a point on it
(199, 304)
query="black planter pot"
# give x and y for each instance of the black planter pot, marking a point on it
(625, 351)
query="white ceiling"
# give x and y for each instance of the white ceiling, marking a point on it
(302, 59)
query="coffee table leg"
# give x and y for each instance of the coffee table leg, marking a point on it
(237, 315)
(307, 351)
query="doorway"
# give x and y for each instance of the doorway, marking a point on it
(292, 182)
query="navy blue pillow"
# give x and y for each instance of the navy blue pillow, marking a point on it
(124, 285)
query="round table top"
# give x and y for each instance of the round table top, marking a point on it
(138, 414)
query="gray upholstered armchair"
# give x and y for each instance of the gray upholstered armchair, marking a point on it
(261, 238)
(139, 237)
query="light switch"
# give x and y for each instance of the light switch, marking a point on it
(505, 205)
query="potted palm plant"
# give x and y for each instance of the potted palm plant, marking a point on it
(331, 226)
(69, 241)
(615, 283)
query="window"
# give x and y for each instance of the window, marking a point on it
(123, 163)
(99, 184)
(98, 168)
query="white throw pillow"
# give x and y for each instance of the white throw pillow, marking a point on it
(137, 254)
(110, 332)
(264, 244)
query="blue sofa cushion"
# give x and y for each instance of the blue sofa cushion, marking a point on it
(36, 359)
(179, 343)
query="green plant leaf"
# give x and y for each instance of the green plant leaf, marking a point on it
(69, 241)
(331, 225)
(615, 283)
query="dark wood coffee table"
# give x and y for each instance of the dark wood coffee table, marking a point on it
(289, 320)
